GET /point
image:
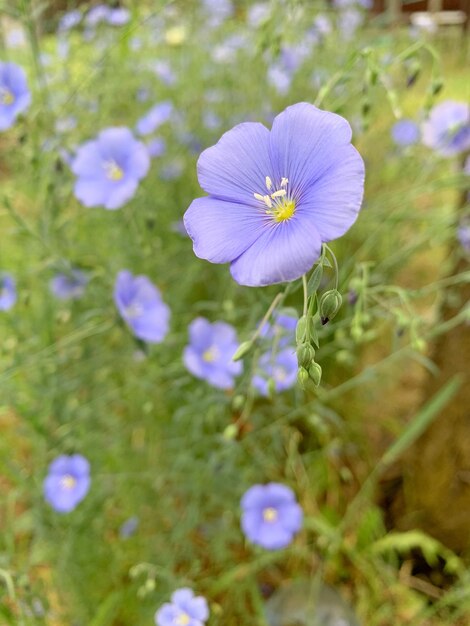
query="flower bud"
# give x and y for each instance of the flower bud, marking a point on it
(305, 354)
(302, 376)
(314, 372)
(230, 432)
(330, 304)
(305, 329)
(242, 350)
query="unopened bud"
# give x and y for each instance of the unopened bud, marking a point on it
(305, 354)
(314, 372)
(302, 376)
(242, 350)
(305, 329)
(330, 304)
(230, 432)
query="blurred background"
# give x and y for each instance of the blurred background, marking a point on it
(378, 455)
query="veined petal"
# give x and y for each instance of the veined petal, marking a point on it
(237, 166)
(221, 230)
(282, 253)
(334, 200)
(304, 143)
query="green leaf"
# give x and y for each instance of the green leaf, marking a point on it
(314, 280)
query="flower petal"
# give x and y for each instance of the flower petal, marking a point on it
(237, 166)
(334, 200)
(304, 143)
(222, 230)
(283, 253)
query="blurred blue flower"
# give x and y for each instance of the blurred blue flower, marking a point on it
(70, 286)
(276, 196)
(281, 330)
(153, 119)
(281, 367)
(217, 11)
(185, 609)
(96, 15)
(15, 96)
(271, 516)
(405, 132)
(7, 292)
(258, 13)
(172, 170)
(118, 17)
(447, 129)
(66, 124)
(109, 168)
(156, 147)
(69, 20)
(164, 72)
(67, 482)
(141, 306)
(129, 527)
(210, 351)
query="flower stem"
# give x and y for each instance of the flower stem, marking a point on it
(304, 284)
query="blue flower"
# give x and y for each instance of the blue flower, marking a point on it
(118, 17)
(67, 482)
(271, 516)
(281, 367)
(129, 527)
(69, 286)
(210, 351)
(141, 306)
(447, 129)
(15, 96)
(109, 168)
(158, 115)
(185, 609)
(276, 196)
(156, 147)
(69, 20)
(7, 292)
(405, 132)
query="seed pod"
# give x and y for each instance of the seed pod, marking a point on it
(315, 372)
(330, 304)
(305, 354)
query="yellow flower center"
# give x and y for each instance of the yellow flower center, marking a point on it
(211, 354)
(68, 482)
(6, 97)
(182, 620)
(113, 171)
(270, 514)
(280, 206)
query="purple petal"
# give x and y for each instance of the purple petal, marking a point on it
(284, 252)
(237, 166)
(304, 143)
(333, 202)
(221, 231)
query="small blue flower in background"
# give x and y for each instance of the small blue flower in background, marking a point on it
(118, 17)
(129, 527)
(67, 482)
(70, 286)
(15, 96)
(153, 119)
(405, 132)
(185, 609)
(447, 129)
(210, 351)
(271, 515)
(276, 196)
(282, 329)
(7, 292)
(109, 168)
(280, 367)
(69, 20)
(96, 14)
(164, 72)
(141, 306)
(156, 147)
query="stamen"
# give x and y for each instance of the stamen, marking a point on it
(270, 514)
(113, 171)
(211, 354)
(281, 206)
(6, 97)
(182, 620)
(68, 482)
